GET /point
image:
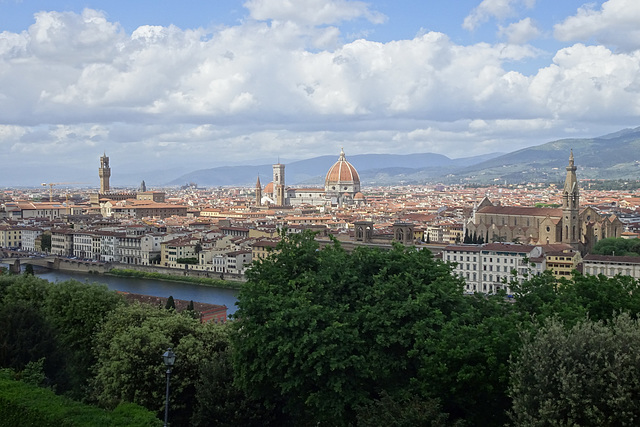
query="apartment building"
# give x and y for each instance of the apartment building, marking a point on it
(62, 242)
(30, 238)
(10, 236)
(610, 266)
(489, 268)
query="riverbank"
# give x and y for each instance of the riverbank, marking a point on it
(198, 280)
(154, 287)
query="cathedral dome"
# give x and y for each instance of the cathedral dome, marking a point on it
(269, 188)
(342, 176)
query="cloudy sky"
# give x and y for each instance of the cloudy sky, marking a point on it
(176, 86)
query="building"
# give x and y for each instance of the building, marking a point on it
(562, 263)
(104, 172)
(491, 267)
(10, 236)
(342, 183)
(569, 224)
(341, 187)
(611, 266)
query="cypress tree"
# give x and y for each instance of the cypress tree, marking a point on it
(170, 303)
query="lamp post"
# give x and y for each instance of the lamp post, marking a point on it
(169, 359)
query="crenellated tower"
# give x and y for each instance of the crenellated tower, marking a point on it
(105, 173)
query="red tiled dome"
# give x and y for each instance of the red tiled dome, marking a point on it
(268, 188)
(342, 172)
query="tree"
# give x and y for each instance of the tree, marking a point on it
(28, 270)
(130, 344)
(617, 246)
(76, 310)
(170, 305)
(320, 333)
(585, 375)
(220, 402)
(45, 242)
(26, 336)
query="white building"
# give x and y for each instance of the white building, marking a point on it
(491, 267)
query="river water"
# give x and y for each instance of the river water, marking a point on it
(156, 288)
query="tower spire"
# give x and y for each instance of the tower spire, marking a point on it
(571, 205)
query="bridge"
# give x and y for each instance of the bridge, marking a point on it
(50, 262)
(16, 258)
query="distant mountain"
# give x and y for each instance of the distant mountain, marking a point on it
(612, 156)
(372, 168)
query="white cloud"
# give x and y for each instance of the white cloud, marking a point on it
(520, 32)
(488, 9)
(312, 12)
(258, 89)
(616, 23)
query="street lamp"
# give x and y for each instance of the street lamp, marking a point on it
(169, 359)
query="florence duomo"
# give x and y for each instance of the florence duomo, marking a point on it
(341, 188)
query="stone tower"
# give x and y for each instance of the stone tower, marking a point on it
(258, 193)
(571, 207)
(278, 183)
(105, 173)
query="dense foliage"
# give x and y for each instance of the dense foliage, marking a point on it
(22, 404)
(327, 337)
(617, 246)
(323, 335)
(586, 375)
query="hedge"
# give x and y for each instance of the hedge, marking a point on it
(23, 404)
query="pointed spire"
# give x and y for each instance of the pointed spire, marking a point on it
(258, 182)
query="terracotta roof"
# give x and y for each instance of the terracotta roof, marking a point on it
(521, 210)
(342, 172)
(613, 259)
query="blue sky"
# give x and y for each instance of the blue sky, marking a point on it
(178, 86)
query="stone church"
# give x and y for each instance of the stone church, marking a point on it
(569, 224)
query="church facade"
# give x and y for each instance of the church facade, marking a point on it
(570, 224)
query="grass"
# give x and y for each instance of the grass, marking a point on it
(217, 283)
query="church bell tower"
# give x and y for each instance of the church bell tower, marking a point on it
(278, 183)
(571, 207)
(258, 193)
(105, 173)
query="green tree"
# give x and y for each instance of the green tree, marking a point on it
(617, 246)
(320, 333)
(220, 402)
(45, 242)
(28, 270)
(76, 310)
(170, 305)
(26, 336)
(130, 344)
(465, 365)
(585, 375)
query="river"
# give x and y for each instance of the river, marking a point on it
(156, 288)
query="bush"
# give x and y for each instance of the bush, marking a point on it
(26, 405)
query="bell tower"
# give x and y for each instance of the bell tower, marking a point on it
(278, 183)
(105, 173)
(571, 207)
(258, 193)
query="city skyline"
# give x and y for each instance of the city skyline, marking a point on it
(188, 86)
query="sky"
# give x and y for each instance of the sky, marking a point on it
(168, 87)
